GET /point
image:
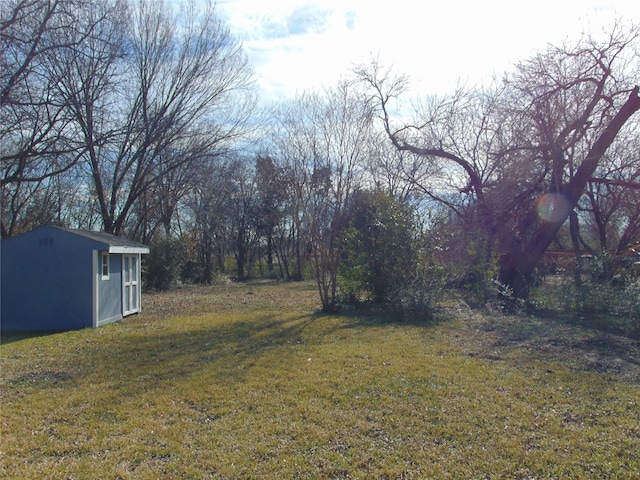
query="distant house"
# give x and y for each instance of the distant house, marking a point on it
(63, 279)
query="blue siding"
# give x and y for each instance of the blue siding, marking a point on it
(46, 284)
(48, 281)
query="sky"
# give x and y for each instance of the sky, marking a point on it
(298, 45)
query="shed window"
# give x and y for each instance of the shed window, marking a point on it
(105, 266)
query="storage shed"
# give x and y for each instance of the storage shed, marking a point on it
(57, 278)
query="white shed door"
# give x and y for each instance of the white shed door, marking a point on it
(130, 284)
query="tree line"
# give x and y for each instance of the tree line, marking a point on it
(141, 119)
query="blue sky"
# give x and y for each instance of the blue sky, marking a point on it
(297, 45)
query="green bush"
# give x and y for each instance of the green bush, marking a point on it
(476, 275)
(379, 249)
(620, 301)
(416, 301)
(610, 292)
(163, 266)
(192, 272)
(390, 261)
(352, 276)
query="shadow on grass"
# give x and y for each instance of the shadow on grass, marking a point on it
(137, 355)
(566, 340)
(143, 359)
(140, 355)
(11, 336)
(376, 315)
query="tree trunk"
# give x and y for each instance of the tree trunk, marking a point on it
(240, 262)
(270, 252)
(517, 267)
(575, 241)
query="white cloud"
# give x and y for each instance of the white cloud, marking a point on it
(297, 45)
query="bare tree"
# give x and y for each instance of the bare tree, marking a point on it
(210, 209)
(611, 204)
(400, 174)
(58, 200)
(325, 141)
(24, 30)
(243, 217)
(37, 133)
(176, 82)
(292, 136)
(579, 99)
(270, 211)
(528, 146)
(38, 138)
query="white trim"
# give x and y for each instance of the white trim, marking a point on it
(133, 285)
(139, 282)
(97, 259)
(103, 255)
(129, 250)
(124, 274)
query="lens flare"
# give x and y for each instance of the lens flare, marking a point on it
(553, 207)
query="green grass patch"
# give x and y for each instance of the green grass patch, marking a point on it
(248, 381)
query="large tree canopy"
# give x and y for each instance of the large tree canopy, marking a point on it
(517, 157)
(129, 91)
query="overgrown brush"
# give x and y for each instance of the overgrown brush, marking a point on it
(606, 302)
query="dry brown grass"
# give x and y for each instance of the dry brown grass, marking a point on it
(248, 381)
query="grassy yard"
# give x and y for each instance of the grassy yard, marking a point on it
(247, 381)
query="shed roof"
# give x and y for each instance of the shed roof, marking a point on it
(107, 241)
(115, 244)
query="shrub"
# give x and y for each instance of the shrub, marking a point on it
(192, 272)
(352, 277)
(620, 302)
(417, 300)
(379, 248)
(600, 301)
(164, 264)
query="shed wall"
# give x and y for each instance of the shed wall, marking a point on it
(46, 281)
